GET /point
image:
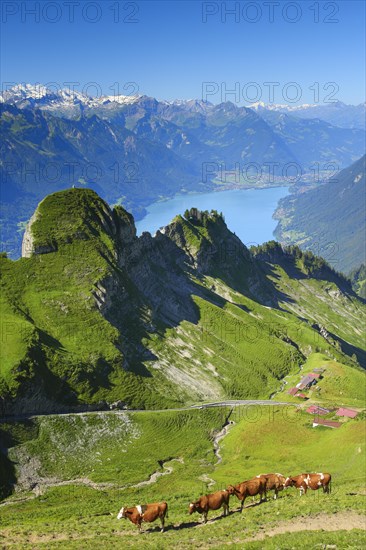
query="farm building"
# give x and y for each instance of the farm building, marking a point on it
(301, 395)
(306, 382)
(315, 375)
(319, 370)
(327, 423)
(293, 391)
(314, 409)
(349, 413)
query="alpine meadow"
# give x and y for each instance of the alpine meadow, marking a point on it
(183, 275)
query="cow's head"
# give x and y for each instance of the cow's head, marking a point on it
(192, 507)
(289, 482)
(122, 513)
(231, 490)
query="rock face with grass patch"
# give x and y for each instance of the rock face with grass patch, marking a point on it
(28, 247)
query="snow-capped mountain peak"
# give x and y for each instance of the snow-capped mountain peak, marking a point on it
(24, 91)
(72, 103)
(280, 107)
(121, 99)
(66, 102)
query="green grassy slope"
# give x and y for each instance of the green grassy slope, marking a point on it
(128, 450)
(339, 384)
(189, 315)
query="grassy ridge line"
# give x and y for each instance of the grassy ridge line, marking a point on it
(352, 540)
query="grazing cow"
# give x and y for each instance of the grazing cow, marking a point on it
(310, 481)
(214, 501)
(274, 482)
(145, 512)
(250, 488)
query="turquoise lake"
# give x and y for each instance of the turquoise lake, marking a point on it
(248, 213)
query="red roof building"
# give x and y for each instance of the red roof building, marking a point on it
(301, 395)
(327, 423)
(314, 409)
(349, 413)
(293, 391)
(315, 375)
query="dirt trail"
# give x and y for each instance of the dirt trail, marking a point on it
(339, 521)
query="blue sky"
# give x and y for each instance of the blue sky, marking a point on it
(170, 49)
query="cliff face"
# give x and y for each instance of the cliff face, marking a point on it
(28, 246)
(100, 315)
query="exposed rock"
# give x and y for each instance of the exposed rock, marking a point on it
(28, 248)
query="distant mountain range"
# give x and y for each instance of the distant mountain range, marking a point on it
(336, 112)
(330, 220)
(72, 103)
(136, 150)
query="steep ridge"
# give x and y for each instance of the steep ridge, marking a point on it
(95, 315)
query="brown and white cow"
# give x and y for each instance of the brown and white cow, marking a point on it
(274, 482)
(310, 481)
(145, 512)
(250, 488)
(214, 501)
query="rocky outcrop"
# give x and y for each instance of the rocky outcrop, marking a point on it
(28, 247)
(105, 292)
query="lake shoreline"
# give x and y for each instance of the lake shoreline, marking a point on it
(248, 213)
(215, 188)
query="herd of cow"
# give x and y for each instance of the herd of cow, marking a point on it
(259, 485)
